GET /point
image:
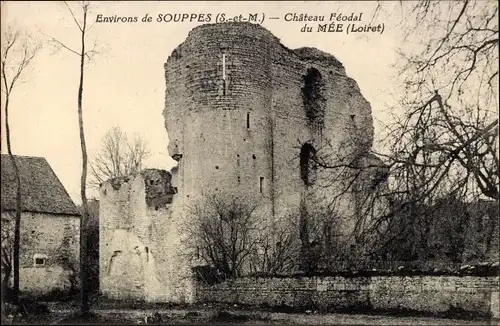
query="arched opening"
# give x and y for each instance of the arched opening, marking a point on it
(313, 99)
(307, 153)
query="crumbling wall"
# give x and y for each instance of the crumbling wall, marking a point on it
(337, 111)
(239, 106)
(239, 109)
(140, 251)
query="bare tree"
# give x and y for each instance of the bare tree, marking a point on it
(18, 52)
(119, 156)
(93, 245)
(443, 142)
(276, 249)
(449, 126)
(442, 145)
(7, 255)
(221, 233)
(429, 161)
(84, 55)
(234, 236)
(343, 201)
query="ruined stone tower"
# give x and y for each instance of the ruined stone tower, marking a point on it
(241, 108)
(244, 115)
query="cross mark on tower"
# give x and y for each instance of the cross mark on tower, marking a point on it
(224, 66)
(224, 83)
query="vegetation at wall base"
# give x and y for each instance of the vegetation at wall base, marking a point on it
(479, 270)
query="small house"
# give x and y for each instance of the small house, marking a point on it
(50, 224)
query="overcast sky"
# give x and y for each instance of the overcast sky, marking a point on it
(125, 86)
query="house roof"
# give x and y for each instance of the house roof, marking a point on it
(41, 189)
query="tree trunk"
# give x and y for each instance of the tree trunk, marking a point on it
(305, 250)
(6, 293)
(17, 225)
(84, 293)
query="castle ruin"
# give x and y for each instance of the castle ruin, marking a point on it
(245, 115)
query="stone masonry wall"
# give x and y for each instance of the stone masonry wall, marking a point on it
(431, 294)
(141, 241)
(239, 108)
(243, 134)
(54, 237)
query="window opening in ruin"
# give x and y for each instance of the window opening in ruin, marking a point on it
(39, 260)
(313, 99)
(238, 180)
(253, 156)
(248, 120)
(261, 184)
(237, 159)
(307, 153)
(216, 167)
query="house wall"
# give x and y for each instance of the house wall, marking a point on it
(56, 237)
(432, 294)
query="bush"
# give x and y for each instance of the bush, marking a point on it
(484, 269)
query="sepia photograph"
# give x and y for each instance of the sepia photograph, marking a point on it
(250, 162)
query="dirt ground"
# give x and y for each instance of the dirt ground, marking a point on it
(107, 312)
(236, 316)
